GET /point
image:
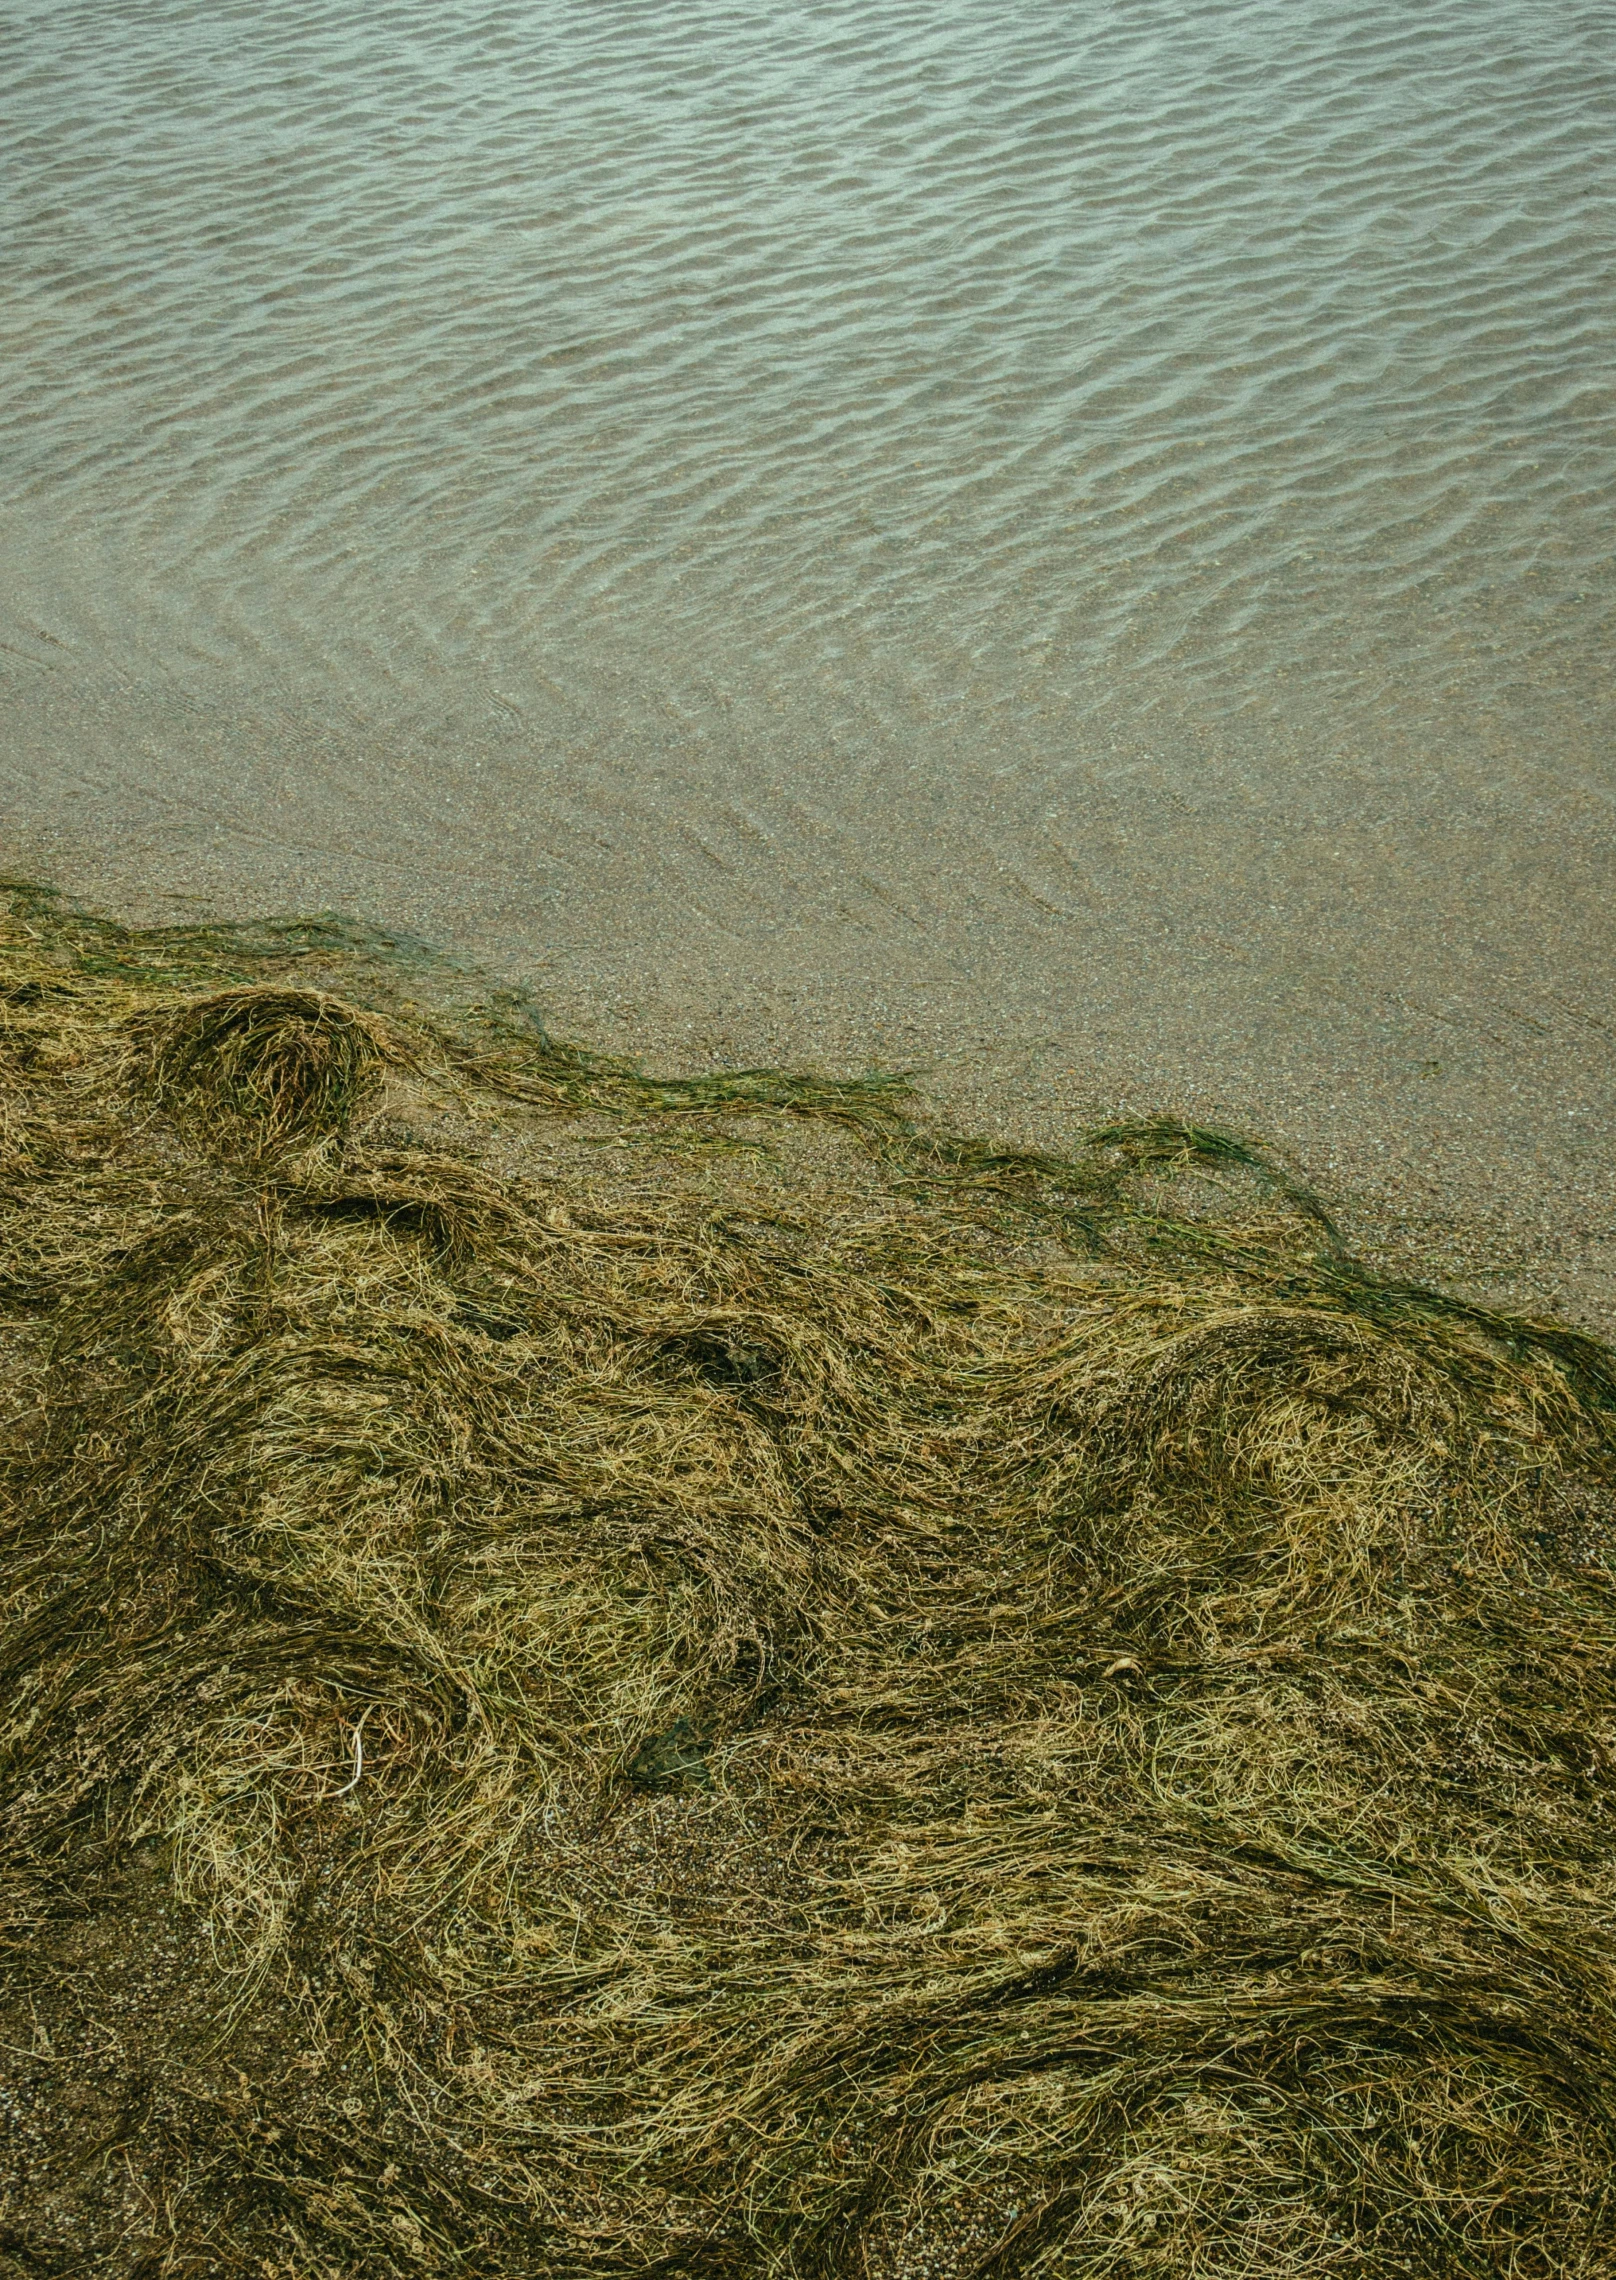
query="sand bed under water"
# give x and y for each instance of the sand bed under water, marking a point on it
(606, 1675)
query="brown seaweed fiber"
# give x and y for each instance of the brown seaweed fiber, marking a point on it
(607, 1675)
(258, 1069)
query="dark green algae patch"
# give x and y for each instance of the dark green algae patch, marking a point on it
(608, 1674)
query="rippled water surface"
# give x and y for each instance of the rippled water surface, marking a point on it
(1062, 542)
(1113, 355)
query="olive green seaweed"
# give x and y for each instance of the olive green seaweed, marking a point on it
(737, 1684)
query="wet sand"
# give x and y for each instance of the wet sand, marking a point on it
(1399, 975)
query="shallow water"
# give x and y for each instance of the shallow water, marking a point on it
(1087, 348)
(860, 495)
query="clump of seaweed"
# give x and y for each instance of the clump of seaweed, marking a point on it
(257, 1068)
(606, 1675)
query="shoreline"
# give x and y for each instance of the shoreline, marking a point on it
(1460, 1145)
(1382, 949)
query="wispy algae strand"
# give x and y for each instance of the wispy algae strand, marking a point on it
(603, 1675)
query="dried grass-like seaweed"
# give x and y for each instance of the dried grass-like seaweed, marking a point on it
(988, 1715)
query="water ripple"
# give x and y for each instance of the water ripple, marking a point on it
(1201, 343)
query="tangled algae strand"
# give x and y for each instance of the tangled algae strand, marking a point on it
(258, 1069)
(608, 1675)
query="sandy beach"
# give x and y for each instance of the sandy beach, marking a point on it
(1398, 974)
(617, 1662)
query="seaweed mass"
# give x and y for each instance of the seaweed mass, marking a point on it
(608, 1675)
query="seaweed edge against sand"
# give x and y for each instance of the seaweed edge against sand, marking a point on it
(987, 1712)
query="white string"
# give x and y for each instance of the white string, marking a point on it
(358, 1755)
